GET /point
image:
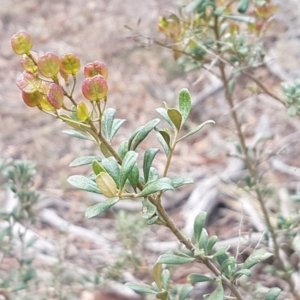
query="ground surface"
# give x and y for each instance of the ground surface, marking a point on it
(141, 77)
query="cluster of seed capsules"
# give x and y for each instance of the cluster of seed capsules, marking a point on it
(45, 80)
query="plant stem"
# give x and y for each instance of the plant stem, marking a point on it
(189, 245)
(251, 167)
(264, 88)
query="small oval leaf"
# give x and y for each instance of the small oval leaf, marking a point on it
(141, 288)
(97, 167)
(112, 168)
(185, 104)
(148, 209)
(128, 162)
(162, 184)
(185, 291)
(84, 183)
(134, 176)
(256, 257)
(76, 134)
(148, 159)
(143, 132)
(107, 122)
(84, 160)
(123, 149)
(198, 227)
(163, 112)
(156, 274)
(106, 184)
(218, 293)
(162, 139)
(99, 208)
(193, 278)
(199, 127)
(172, 259)
(117, 123)
(175, 117)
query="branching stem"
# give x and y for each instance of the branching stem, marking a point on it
(248, 161)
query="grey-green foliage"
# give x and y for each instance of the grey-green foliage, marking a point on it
(292, 97)
(17, 175)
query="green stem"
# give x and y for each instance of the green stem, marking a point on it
(189, 245)
(172, 148)
(168, 221)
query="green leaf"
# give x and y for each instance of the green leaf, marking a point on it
(152, 220)
(133, 135)
(107, 122)
(185, 104)
(106, 185)
(123, 149)
(242, 272)
(273, 293)
(218, 293)
(139, 288)
(203, 239)
(221, 255)
(156, 275)
(185, 291)
(97, 167)
(99, 208)
(178, 181)
(162, 295)
(84, 183)
(161, 184)
(193, 278)
(77, 134)
(105, 151)
(211, 243)
(229, 266)
(256, 257)
(175, 117)
(243, 19)
(148, 209)
(172, 259)
(163, 139)
(143, 132)
(198, 227)
(153, 175)
(128, 162)
(165, 278)
(199, 127)
(134, 176)
(148, 159)
(243, 6)
(116, 126)
(163, 112)
(112, 168)
(84, 160)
